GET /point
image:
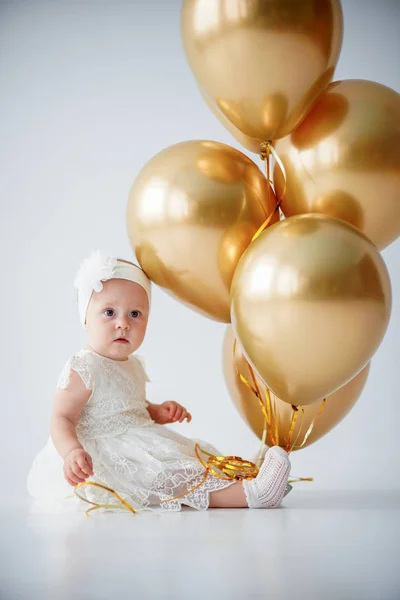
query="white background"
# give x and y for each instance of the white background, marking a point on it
(89, 92)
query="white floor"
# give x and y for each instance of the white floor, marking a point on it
(319, 545)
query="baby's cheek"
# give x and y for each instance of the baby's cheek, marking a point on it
(140, 332)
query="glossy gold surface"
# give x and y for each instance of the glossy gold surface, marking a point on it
(311, 301)
(261, 64)
(338, 404)
(344, 159)
(192, 212)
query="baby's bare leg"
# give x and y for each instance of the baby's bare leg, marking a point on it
(230, 497)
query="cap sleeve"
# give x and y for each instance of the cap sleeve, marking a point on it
(80, 366)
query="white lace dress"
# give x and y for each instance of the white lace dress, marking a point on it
(141, 460)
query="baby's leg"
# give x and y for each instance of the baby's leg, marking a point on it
(230, 497)
(265, 491)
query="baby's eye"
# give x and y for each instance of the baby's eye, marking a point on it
(109, 312)
(135, 314)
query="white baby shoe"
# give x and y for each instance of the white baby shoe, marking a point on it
(271, 484)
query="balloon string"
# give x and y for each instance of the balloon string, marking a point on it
(258, 394)
(301, 479)
(267, 149)
(271, 414)
(300, 427)
(276, 420)
(311, 427)
(227, 468)
(270, 420)
(263, 443)
(269, 410)
(265, 407)
(295, 413)
(267, 162)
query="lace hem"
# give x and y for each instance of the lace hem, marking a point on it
(200, 498)
(145, 499)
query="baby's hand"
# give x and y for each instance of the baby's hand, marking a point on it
(78, 466)
(172, 412)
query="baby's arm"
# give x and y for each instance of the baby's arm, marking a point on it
(68, 405)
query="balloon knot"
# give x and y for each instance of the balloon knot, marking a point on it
(265, 150)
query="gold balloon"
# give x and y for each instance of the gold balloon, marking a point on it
(337, 406)
(344, 160)
(192, 212)
(261, 64)
(247, 142)
(311, 301)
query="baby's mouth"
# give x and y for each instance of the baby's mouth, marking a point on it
(122, 341)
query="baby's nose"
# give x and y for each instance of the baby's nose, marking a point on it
(123, 323)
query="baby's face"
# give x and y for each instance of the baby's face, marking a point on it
(116, 318)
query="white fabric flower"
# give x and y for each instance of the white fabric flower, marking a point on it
(93, 271)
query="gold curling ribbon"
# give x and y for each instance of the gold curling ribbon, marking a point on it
(264, 408)
(267, 149)
(256, 391)
(124, 504)
(233, 467)
(301, 409)
(297, 479)
(295, 413)
(223, 467)
(271, 419)
(309, 430)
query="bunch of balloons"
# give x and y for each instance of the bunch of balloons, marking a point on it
(308, 295)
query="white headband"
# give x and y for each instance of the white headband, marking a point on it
(98, 268)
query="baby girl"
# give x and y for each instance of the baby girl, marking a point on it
(104, 430)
